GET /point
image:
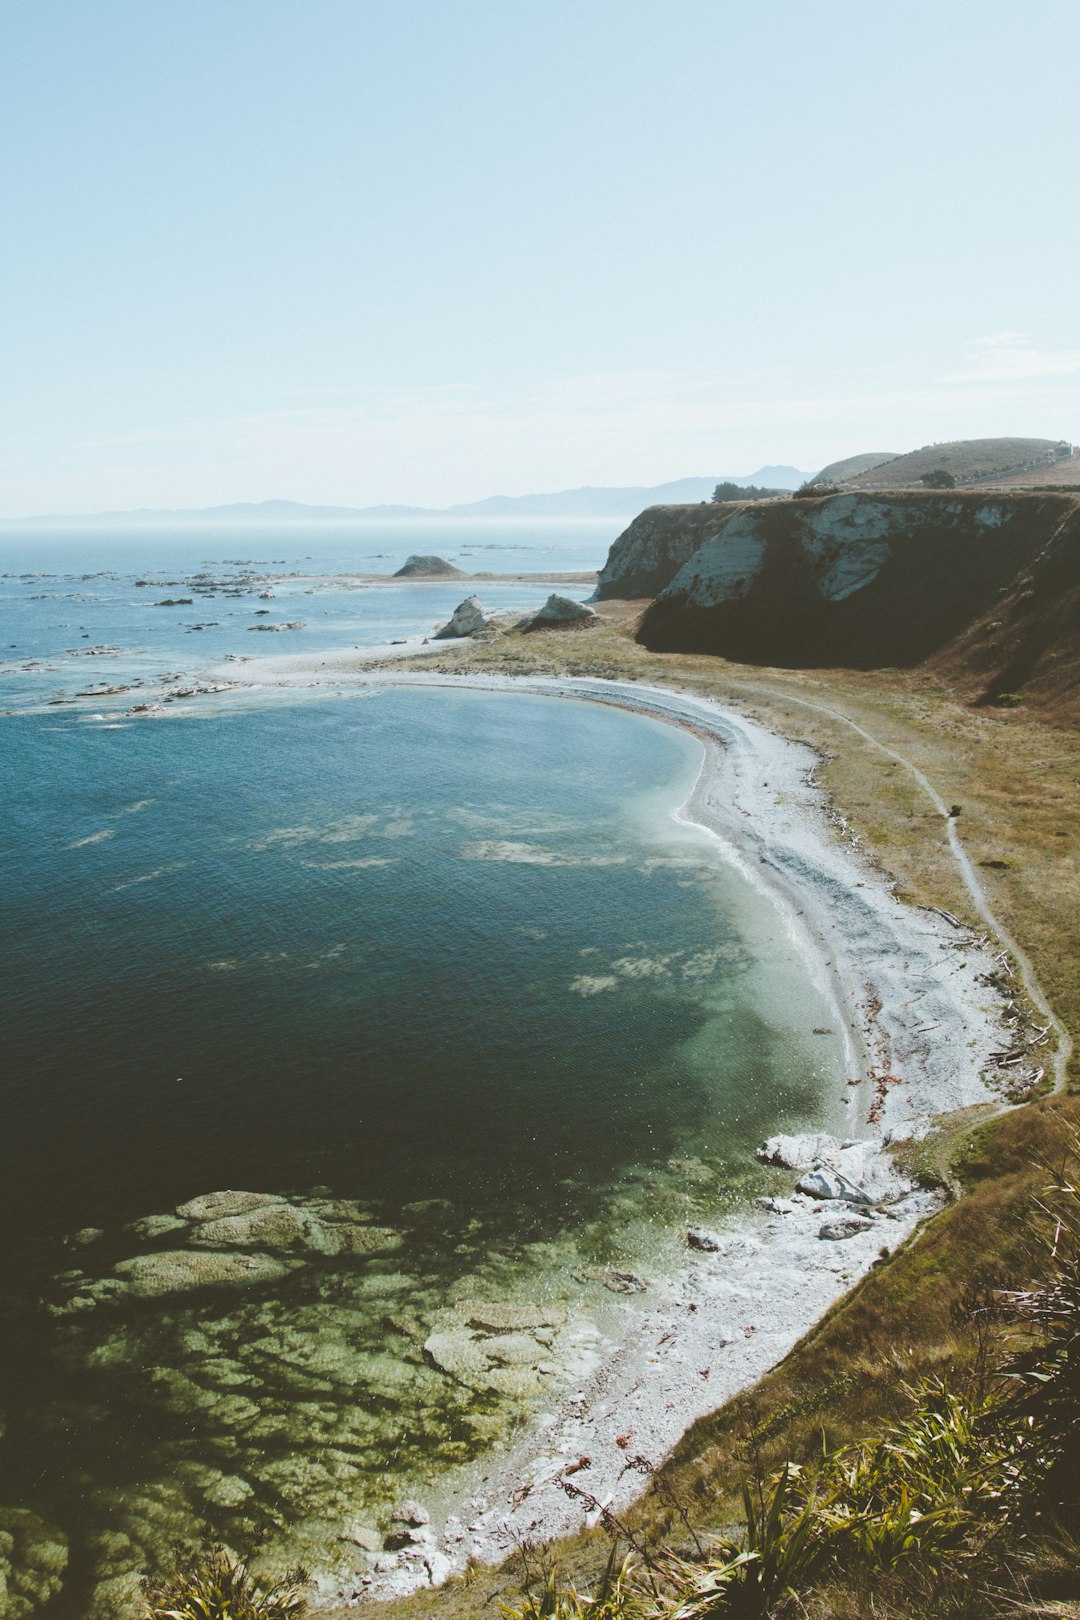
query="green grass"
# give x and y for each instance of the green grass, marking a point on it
(209, 1583)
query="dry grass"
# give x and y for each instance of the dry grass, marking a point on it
(966, 459)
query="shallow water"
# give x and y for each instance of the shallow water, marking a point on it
(85, 609)
(436, 970)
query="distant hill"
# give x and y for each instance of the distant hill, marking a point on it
(587, 502)
(601, 502)
(839, 471)
(971, 462)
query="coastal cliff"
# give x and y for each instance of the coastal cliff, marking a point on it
(874, 580)
(649, 553)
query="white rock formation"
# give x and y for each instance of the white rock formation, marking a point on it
(563, 610)
(466, 619)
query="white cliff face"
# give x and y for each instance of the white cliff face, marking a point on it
(849, 540)
(861, 579)
(846, 540)
(725, 567)
(649, 554)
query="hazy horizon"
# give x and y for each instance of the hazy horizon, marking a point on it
(417, 254)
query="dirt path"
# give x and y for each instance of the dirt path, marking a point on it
(1063, 1040)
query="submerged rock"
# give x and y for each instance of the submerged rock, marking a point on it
(504, 1316)
(119, 1597)
(619, 1282)
(363, 1536)
(699, 1238)
(155, 1226)
(208, 1206)
(272, 1226)
(500, 1347)
(33, 1558)
(176, 1271)
(86, 1235)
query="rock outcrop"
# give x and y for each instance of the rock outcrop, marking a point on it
(852, 1172)
(467, 618)
(857, 580)
(560, 610)
(417, 567)
(649, 554)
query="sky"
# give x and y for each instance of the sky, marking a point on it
(355, 251)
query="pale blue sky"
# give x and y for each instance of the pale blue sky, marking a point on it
(352, 251)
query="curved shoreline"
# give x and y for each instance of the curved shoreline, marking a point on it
(920, 1028)
(900, 976)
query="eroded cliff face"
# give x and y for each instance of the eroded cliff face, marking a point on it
(649, 554)
(862, 580)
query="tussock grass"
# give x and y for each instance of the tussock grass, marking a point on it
(944, 1511)
(209, 1583)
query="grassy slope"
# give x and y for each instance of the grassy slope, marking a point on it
(1018, 780)
(964, 458)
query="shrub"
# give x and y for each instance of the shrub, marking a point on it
(208, 1584)
(743, 492)
(938, 479)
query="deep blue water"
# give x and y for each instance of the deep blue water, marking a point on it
(338, 943)
(431, 963)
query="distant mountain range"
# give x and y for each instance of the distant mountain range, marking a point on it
(588, 502)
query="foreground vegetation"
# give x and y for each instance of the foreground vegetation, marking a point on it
(965, 1506)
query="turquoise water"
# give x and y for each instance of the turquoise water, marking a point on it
(436, 975)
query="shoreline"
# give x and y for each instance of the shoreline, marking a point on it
(921, 1027)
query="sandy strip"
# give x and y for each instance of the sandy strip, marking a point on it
(921, 1027)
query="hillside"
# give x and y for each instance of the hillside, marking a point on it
(987, 588)
(838, 472)
(969, 461)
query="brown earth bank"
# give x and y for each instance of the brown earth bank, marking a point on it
(1012, 777)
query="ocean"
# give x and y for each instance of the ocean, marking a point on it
(430, 982)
